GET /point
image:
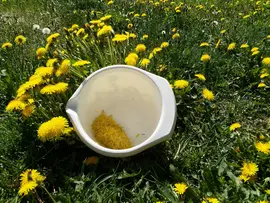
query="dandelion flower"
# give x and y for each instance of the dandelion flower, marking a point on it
(132, 35)
(266, 61)
(26, 188)
(263, 201)
(80, 32)
(136, 15)
(44, 71)
(120, 38)
(181, 84)
(52, 129)
(130, 61)
(205, 58)
(175, 36)
(164, 45)
(52, 89)
(36, 27)
(51, 62)
(107, 17)
(130, 25)
(268, 37)
(264, 75)
(244, 46)
(92, 160)
(249, 169)
(180, 188)
(46, 31)
(207, 94)
(261, 84)
(52, 37)
(255, 53)
(63, 68)
(145, 37)
(267, 191)
(218, 43)
(20, 39)
(254, 49)
(110, 2)
(144, 14)
(106, 29)
(234, 126)
(246, 16)
(210, 200)
(6, 45)
(144, 62)
(31, 175)
(140, 48)
(41, 52)
(15, 105)
(200, 76)
(204, 44)
(231, 46)
(222, 31)
(80, 63)
(75, 27)
(263, 147)
(28, 110)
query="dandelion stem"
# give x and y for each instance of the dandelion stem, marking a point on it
(49, 194)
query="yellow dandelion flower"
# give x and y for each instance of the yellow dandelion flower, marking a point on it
(20, 39)
(254, 49)
(267, 191)
(263, 147)
(246, 16)
(222, 31)
(181, 84)
(264, 75)
(156, 50)
(249, 169)
(31, 175)
(51, 62)
(268, 37)
(130, 61)
(207, 94)
(255, 53)
(144, 14)
(44, 71)
(52, 37)
(130, 25)
(204, 44)
(80, 63)
(144, 62)
(120, 38)
(175, 36)
(110, 2)
(136, 15)
(41, 52)
(164, 45)
(218, 43)
(263, 201)
(52, 129)
(105, 30)
(80, 32)
(140, 48)
(243, 46)
(231, 46)
(180, 188)
(52, 89)
(262, 84)
(234, 126)
(211, 200)
(28, 110)
(107, 17)
(95, 22)
(63, 68)
(266, 61)
(145, 37)
(244, 177)
(174, 30)
(200, 76)
(92, 160)
(6, 45)
(15, 105)
(101, 24)
(75, 27)
(134, 55)
(26, 188)
(132, 35)
(205, 58)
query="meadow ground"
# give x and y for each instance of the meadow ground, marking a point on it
(215, 54)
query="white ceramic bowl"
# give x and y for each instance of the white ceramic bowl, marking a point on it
(141, 102)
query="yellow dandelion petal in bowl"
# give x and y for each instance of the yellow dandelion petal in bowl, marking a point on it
(63, 68)
(15, 105)
(207, 94)
(181, 84)
(180, 188)
(26, 188)
(263, 147)
(231, 46)
(205, 58)
(235, 126)
(6, 45)
(40, 53)
(204, 44)
(52, 129)
(20, 39)
(44, 71)
(249, 169)
(140, 48)
(144, 62)
(266, 61)
(80, 63)
(164, 45)
(244, 46)
(200, 76)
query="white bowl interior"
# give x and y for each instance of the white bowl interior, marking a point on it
(130, 96)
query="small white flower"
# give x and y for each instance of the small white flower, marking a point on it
(215, 22)
(163, 32)
(36, 27)
(46, 31)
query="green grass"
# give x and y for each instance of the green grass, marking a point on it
(203, 152)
